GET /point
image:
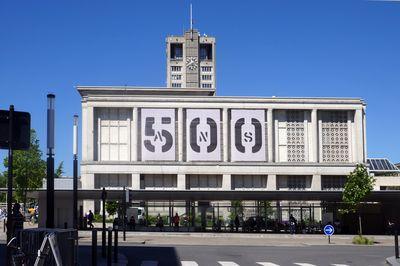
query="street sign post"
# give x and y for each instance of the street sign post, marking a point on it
(15, 134)
(329, 230)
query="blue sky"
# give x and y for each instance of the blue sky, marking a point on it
(348, 48)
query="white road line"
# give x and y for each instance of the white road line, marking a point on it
(304, 264)
(267, 264)
(149, 263)
(228, 263)
(339, 264)
(189, 263)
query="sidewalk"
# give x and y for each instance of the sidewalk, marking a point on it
(233, 239)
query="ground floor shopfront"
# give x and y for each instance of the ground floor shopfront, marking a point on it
(258, 211)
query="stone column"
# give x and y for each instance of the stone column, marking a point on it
(225, 134)
(270, 135)
(181, 182)
(271, 182)
(316, 183)
(314, 136)
(364, 135)
(180, 134)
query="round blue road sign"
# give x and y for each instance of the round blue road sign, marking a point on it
(329, 230)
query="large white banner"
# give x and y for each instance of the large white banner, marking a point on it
(158, 134)
(247, 135)
(203, 135)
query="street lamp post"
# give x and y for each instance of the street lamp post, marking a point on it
(50, 160)
(75, 172)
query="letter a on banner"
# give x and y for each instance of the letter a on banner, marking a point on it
(203, 134)
(158, 134)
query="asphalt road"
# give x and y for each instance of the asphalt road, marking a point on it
(249, 255)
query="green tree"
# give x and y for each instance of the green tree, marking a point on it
(28, 169)
(60, 170)
(358, 185)
(3, 184)
(112, 207)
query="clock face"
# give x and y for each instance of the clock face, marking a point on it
(191, 62)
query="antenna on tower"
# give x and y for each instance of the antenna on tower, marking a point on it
(191, 17)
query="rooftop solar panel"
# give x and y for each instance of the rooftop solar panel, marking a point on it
(381, 165)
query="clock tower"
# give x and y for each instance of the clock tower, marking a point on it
(191, 60)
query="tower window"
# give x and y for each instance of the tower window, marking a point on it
(176, 51)
(206, 51)
(176, 85)
(206, 77)
(176, 68)
(206, 68)
(206, 85)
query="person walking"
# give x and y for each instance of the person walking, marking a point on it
(17, 220)
(292, 224)
(176, 222)
(90, 219)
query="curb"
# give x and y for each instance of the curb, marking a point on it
(393, 261)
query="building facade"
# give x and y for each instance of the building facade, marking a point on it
(189, 140)
(191, 61)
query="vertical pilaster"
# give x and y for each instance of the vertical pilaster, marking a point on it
(135, 181)
(316, 183)
(84, 132)
(226, 182)
(134, 135)
(364, 135)
(271, 182)
(181, 182)
(89, 133)
(359, 135)
(225, 133)
(314, 136)
(87, 183)
(180, 134)
(270, 136)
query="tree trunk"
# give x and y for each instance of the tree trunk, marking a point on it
(359, 224)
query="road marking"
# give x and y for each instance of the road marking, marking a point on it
(189, 263)
(339, 264)
(267, 264)
(149, 263)
(228, 263)
(304, 264)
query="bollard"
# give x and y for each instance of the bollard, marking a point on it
(116, 246)
(109, 248)
(396, 244)
(94, 247)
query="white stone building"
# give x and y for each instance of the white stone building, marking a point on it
(189, 139)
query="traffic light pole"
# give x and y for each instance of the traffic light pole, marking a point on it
(10, 184)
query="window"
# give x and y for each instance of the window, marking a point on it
(206, 85)
(332, 182)
(158, 181)
(295, 136)
(112, 180)
(176, 85)
(204, 181)
(112, 132)
(176, 51)
(206, 77)
(206, 68)
(249, 181)
(176, 68)
(296, 182)
(176, 77)
(206, 51)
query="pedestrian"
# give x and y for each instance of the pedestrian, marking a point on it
(237, 223)
(17, 220)
(292, 224)
(160, 222)
(90, 219)
(132, 223)
(176, 222)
